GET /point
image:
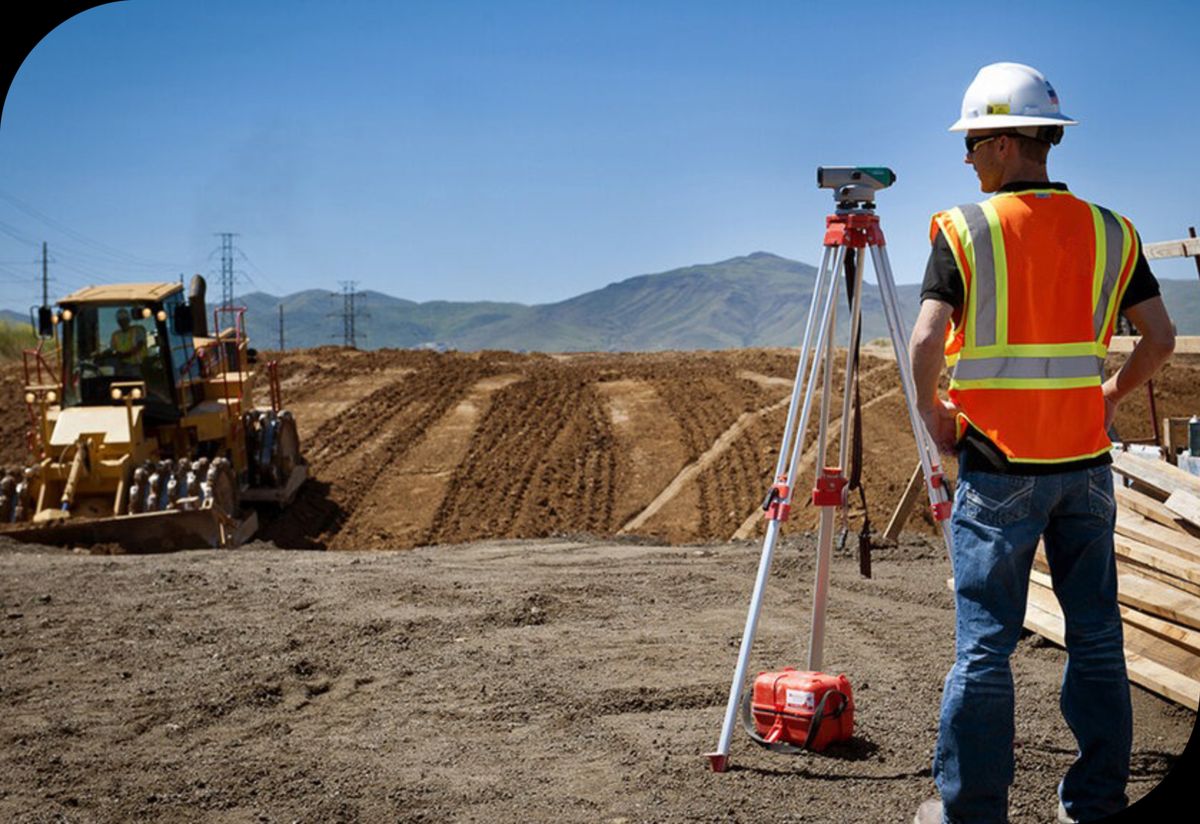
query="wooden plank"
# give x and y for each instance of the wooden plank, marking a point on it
(1134, 526)
(904, 507)
(1184, 247)
(1159, 475)
(1143, 593)
(1184, 344)
(1186, 506)
(1161, 561)
(1188, 639)
(1150, 509)
(1043, 616)
(1157, 598)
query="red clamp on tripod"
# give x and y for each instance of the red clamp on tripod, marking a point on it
(850, 233)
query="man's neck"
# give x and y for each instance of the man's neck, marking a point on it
(1026, 173)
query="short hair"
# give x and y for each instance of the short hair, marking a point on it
(1032, 149)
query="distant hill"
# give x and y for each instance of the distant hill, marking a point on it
(759, 299)
(756, 300)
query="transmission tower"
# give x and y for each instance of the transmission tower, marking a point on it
(350, 313)
(227, 276)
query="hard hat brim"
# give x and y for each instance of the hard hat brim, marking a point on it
(1010, 121)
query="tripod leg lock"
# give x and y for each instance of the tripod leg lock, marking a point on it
(776, 505)
(941, 510)
(830, 487)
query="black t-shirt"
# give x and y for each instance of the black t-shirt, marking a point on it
(943, 282)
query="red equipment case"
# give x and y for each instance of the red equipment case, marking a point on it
(786, 704)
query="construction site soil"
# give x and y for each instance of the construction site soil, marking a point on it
(566, 546)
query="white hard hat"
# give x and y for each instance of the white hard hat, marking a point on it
(1009, 96)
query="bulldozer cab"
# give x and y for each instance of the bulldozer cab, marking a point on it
(117, 336)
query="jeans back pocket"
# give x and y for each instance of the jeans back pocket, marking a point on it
(994, 499)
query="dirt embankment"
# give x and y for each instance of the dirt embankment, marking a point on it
(410, 448)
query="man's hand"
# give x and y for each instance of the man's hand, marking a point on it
(941, 420)
(1110, 408)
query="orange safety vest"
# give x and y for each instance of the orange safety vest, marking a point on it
(1043, 274)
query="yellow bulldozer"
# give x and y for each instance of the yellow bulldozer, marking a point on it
(143, 428)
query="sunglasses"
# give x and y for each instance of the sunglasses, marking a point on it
(977, 141)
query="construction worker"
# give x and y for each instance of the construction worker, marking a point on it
(128, 342)
(1021, 295)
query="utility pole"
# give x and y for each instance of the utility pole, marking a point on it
(45, 277)
(350, 313)
(281, 327)
(227, 269)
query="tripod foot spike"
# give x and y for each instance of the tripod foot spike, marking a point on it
(718, 761)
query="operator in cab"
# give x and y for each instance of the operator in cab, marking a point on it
(128, 342)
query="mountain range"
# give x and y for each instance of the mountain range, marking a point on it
(755, 300)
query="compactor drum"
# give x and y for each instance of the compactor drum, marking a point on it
(143, 428)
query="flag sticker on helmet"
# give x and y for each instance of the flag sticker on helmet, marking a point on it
(1050, 91)
(997, 108)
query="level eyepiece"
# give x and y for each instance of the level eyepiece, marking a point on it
(835, 177)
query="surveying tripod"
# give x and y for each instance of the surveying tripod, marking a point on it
(852, 227)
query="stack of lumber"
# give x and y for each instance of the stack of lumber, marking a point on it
(1158, 578)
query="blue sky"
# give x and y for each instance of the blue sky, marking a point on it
(531, 151)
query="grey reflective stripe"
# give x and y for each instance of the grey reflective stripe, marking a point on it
(1113, 243)
(983, 283)
(1071, 366)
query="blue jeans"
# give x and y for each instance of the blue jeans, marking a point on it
(996, 523)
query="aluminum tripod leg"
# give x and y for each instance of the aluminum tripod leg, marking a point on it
(824, 293)
(935, 483)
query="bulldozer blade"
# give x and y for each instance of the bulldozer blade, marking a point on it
(143, 532)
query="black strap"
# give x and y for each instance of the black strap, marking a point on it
(854, 473)
(813, 728)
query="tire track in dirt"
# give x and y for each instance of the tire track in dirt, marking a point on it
(397, 513)
(534, 475)
(360, 445)
(730, 439)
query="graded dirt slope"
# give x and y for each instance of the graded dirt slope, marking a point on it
(410, 448)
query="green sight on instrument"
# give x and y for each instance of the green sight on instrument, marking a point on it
(835, 177)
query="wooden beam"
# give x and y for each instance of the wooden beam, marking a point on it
(1158, 599)
(904, 507)
(1169, 540)
(1043, 616)
(1188, 639)
(1185, 247)
(1130, 500)
(1184, 344)
(1143, 593)
(1187, 572)
(1186, 506)
(1158, 475)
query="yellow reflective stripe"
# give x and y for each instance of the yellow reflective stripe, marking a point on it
(1000, 266)
(1095, 454)
(1038, 350)
(1115, 245)
(1100, 252)
(959, 221)
(1033, 192)
(1026, 383)
(1118, 289)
